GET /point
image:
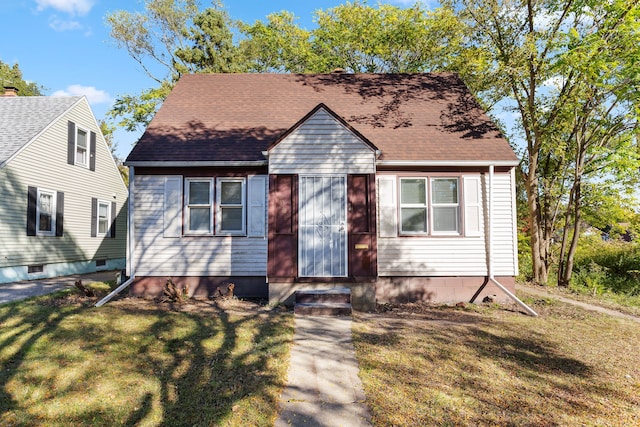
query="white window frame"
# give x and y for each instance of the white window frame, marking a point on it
(86, 148)
(432, 205)
(220, 207)
(53, 195)
(107, 219)
(424, 206)
(188, 206)
(429, 205)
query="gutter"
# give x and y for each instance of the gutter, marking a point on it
(470, 163)
(115, 292)
(492, 278)
(201, 163)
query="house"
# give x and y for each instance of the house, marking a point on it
(63, 203)
(395, 185)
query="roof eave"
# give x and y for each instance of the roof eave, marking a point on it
(198, 163)
(470, 163)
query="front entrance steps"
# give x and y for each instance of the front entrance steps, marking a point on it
(323, 302)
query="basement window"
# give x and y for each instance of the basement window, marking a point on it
(34, 269)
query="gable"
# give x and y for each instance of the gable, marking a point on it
(321, 144)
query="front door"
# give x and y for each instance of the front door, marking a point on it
(323, 226)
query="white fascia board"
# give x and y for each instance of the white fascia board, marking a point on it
(475, 163)
(170, 164)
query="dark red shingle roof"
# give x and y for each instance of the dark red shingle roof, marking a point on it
(234, 117)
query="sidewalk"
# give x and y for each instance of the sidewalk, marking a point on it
(323, 385)
(543, 293)
(30, 288)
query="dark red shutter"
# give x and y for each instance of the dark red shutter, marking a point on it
(283, 237)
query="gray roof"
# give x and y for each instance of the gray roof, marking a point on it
(22, 118)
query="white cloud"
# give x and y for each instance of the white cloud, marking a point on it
(94, 96)
(73, 7)
(64, 25)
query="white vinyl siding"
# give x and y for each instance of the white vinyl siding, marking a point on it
(43, 163)
(321, 145)
(155, 254)
(172, 206)
(452, 256)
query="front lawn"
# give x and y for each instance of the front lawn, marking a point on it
(492, 366)
(132, 362)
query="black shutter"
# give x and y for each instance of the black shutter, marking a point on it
(32, 203)
(113, 219)
(92, 151)
(59, 213)
(71, 143)
(94, 216)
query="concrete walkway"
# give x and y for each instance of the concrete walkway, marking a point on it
(323, 385)
(541, 292)
(30, 288)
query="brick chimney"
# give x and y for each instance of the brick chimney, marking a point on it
(10, 91)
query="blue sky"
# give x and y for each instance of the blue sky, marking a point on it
(64, 46)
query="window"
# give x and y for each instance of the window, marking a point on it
(413, 205)
(81, 148)
(199, 200)
(445, 206)
(435, 212)
(104, 216)
(227, 210)
(231, 206)
(46, 213)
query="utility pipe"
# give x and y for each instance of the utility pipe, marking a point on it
(492, 278)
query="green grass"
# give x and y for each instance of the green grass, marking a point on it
(491, 366)
(64, 362)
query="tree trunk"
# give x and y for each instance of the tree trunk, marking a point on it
(539, 249)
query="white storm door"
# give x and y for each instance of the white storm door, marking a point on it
(322, 226)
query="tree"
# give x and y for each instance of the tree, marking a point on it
(561, 105)
(12, 76)
(152, 39)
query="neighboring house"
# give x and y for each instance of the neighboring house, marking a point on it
(63, 203)
(396, 185)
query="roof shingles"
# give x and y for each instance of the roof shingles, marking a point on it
(234, 117)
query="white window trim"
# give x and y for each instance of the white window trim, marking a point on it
(108, 228)
(87, 148)
(414, 206)
(430, 231)
(187, 207)
(445, 205)
(219, 207)
(53, 195)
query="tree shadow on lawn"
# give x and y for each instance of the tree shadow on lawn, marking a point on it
(505, 373)
(173, 368)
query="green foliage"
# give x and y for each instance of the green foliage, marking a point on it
(607, 266)
(12, 76)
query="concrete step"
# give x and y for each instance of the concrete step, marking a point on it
(322, 309)
(333, 295)
(323, 302)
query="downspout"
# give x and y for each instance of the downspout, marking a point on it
(492, 278)
(130, 269)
